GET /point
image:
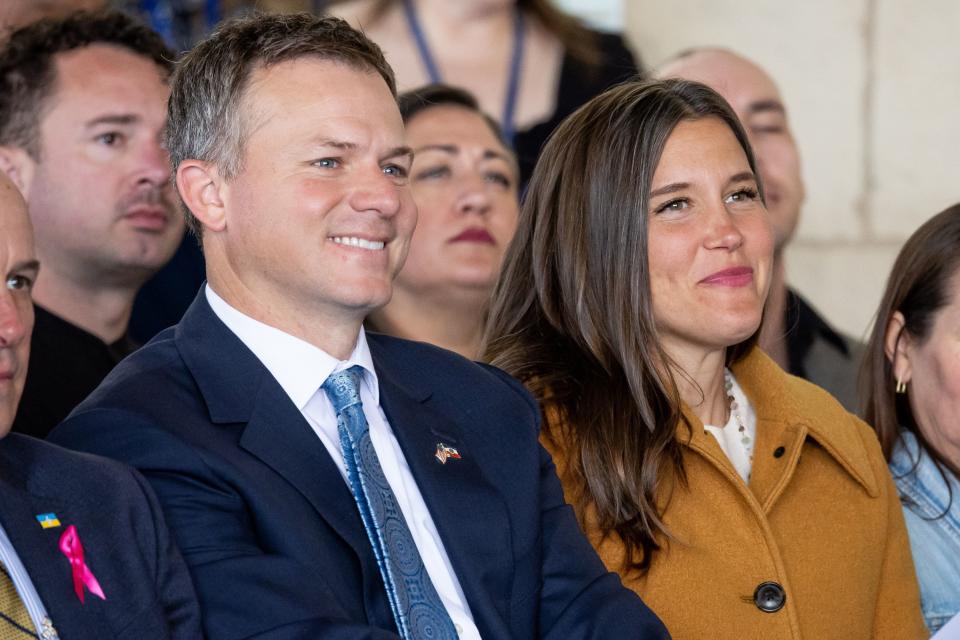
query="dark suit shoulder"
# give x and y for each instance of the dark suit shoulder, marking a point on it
(398, 351)
(50, 469)
(425, 368)
(430, 361)
(154, 369)
(149, 402)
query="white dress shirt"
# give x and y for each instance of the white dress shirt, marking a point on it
(301, 368)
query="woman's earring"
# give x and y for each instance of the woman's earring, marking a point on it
(901, 386)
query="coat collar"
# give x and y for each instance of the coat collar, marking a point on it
(468, 510)
(780, 397)
(228, 374)
(237, 388)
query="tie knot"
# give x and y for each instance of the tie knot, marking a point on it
(343, 388)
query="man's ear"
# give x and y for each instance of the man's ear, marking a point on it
(201, 188)
(19, 167)
(896, 346)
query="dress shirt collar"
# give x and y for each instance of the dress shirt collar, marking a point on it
(297, 365)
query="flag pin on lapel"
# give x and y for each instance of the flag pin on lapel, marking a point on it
(445, 453)
(48, 520)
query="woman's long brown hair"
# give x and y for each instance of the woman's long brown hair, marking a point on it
(572, 315)
(918, 287)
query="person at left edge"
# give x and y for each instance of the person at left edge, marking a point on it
(55, 502)
(322, 482)
(82, 106)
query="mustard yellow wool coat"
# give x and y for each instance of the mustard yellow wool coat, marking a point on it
(820, 517)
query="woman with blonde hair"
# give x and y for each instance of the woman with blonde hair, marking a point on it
(738, 501)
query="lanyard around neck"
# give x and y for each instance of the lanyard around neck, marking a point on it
(516, 61)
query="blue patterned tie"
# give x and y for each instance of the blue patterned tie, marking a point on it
(417, 608)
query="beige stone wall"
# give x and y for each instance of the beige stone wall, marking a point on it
(873, 89)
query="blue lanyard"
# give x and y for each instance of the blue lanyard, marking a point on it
(160, 15)
(211, 14)
(513, 79)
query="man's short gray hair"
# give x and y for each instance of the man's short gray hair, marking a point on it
(205, 120)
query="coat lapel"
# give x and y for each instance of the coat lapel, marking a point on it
(237, 388)
(468, 511)
(49, 570)
(778, 397)
(281, 438)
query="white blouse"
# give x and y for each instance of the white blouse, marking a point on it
(736, 442)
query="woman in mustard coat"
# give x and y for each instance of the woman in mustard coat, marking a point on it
(738, 501)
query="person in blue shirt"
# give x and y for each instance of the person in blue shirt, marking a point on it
(911, 387)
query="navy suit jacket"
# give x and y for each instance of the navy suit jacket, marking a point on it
(125, 541)
(270, 530)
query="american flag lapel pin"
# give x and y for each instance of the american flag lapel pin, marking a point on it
(445, 452)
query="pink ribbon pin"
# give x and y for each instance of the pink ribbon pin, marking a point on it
(82, 576)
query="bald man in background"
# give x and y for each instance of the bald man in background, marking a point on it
(793, 332)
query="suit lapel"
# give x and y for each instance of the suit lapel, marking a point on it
(49, 570)
(237, 388)
(468, 511)
(279, 436)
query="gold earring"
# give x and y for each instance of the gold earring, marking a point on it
(901, 386)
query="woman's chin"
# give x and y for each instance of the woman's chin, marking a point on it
(734, 333)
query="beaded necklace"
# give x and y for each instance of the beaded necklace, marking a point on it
(745, 438)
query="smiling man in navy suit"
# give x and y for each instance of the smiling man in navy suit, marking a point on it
(84, 552)
(321, 482)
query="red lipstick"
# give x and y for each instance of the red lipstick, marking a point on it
(474, 234)
(732, 277)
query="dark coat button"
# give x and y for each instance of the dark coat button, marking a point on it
(779, 451)
(769, 597)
